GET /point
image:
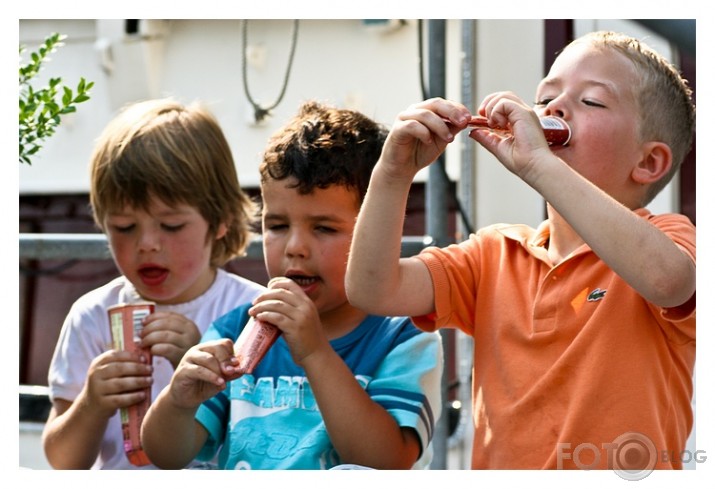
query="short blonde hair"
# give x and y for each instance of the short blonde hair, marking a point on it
(178, 154)
(667, 111)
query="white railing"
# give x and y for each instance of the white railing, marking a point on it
(48, 246)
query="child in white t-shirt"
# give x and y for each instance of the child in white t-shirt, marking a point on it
(164, 190)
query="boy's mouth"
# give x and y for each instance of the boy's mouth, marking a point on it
(303, 280)
(153, 275)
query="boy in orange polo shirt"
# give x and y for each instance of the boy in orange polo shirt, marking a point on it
(584, 328)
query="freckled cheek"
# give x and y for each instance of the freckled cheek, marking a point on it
(335, 263)
(190, 255)
(597, 149)
(606, 136)
(272, 257)
(123, 255)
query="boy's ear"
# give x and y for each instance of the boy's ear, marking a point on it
(656, 162)
(221, 231)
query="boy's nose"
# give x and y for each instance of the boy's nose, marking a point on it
(149, 241)
(296, 245)
(556, 107)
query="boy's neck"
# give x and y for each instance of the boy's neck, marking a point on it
(563, 239)
(341, 321)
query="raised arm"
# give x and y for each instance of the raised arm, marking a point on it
(640, 253)
(377, 280)
(599, 213)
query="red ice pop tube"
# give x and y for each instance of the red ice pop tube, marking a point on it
(125, 322)
(556, 130)
(253, 344)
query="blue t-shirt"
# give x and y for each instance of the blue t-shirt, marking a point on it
(270, 419)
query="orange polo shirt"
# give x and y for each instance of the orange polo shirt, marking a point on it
(572, 368)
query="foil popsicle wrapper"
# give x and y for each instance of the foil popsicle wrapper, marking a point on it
(253, 343)
(125, 322)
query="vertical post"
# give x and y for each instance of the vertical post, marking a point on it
(437, 195)
(467, 191)
(467, 170)
(437, 192)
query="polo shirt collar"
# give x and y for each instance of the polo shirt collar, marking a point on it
(534, 240)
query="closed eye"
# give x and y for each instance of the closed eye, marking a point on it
(326, 230)
(123, 229)
(593, 103)
(172, 228)
(275, 227)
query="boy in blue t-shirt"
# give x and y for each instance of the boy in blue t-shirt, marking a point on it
(339, 386)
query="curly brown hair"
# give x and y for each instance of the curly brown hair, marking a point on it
(323, 146)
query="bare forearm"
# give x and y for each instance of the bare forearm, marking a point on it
(72, 439)
(165, 421)
(373, 271)
(361, 430)
(635, 249)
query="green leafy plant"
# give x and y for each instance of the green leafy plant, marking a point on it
(41, 110)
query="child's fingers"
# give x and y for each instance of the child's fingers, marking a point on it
(281, 290)
(211, 361)
(409, 130)
(424, 124)
(125, 385)
(116, 364)
(170, 328)
(200, 369)
(282, 283)
(201, 373)
(445, 108)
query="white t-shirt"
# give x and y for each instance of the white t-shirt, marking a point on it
(85, 334)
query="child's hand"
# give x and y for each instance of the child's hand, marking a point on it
(117, 379)
(169, 335)
(420, 134)
(287, 307)
(202, 373)
(519, 154)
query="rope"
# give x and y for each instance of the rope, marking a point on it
(260, 113)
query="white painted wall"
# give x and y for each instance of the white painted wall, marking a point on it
(338, 61)
(515, 66)
(345, 62)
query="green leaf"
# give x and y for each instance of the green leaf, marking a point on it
(67, 97)
(40, 110)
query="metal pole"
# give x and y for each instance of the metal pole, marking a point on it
(437, 192)
(466, 188)
(437, 195)
(462, 439)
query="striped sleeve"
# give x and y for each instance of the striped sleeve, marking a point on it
(408, 384)
(213, 414)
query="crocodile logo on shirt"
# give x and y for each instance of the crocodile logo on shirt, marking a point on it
(596, 295)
